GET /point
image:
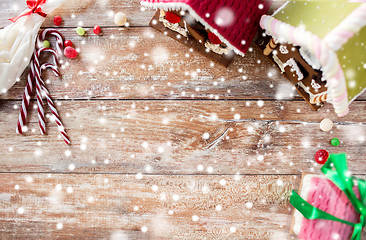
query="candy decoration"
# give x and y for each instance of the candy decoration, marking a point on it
(97, 30)
(46, 44)
(120, 19)
(172, 17)
(61, 128)
(25, 103)
(321, 156)
(68, 43)
(40, 112)
(34, 78)
(213, 38)
(70, 52)
(335, 142)
(326, 125)
(57, 20)
(37, 76)
(80, 31)
(59, 39)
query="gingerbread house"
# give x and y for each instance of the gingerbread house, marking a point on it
(321, 48)
(217, 29)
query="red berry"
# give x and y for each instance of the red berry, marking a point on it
(213, 38)
(57, 20)
(68, 43)
(321, 156)
(97, 30)
(172, 17)
(70, 52)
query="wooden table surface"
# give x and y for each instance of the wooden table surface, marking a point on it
(165, 144)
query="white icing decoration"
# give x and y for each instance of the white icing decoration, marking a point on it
(306, 89)
(315, 85)
(174, 26)
(291, 63)
(283, 49)
(217, 48)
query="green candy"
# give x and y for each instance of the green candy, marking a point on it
(334, 142)
(80, 31)
(46, 44)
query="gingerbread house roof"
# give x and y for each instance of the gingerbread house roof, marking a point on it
(235, 22)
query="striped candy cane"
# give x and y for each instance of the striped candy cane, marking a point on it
(35, 79)
(37, 71)
(58, 121)
(59, 39)
(26, 98)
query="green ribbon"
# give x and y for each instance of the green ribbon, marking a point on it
(336, 170)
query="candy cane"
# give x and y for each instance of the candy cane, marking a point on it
(37, 70)
(58, 121)
(40, 110)
(34, 78)
(59, 39)
(25, 103)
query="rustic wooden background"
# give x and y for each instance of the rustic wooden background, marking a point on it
(165, 144)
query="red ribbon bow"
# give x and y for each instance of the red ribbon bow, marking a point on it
(34, 7)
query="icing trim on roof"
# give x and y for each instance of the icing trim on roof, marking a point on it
(183, 6)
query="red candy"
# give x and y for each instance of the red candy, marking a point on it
(321, 156)
(67, 43)
(57, 20)
(172, 17)
(70, 52)
(213, 38)
(97, 30)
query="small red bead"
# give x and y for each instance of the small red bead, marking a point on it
(213, 38)
(57, 20)
(321, 156)
(172, 17)
(70, 52)
(97, 30)
(68, 43)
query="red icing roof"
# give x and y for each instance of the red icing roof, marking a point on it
(235, 22)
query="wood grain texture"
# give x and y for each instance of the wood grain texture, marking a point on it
(170, 137)
(103, 206)
(134, 65)
(151, 147)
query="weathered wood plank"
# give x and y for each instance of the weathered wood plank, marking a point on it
(112, 69)
(87, 12)
(181, 137)
(105, 205)
(133, 65)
